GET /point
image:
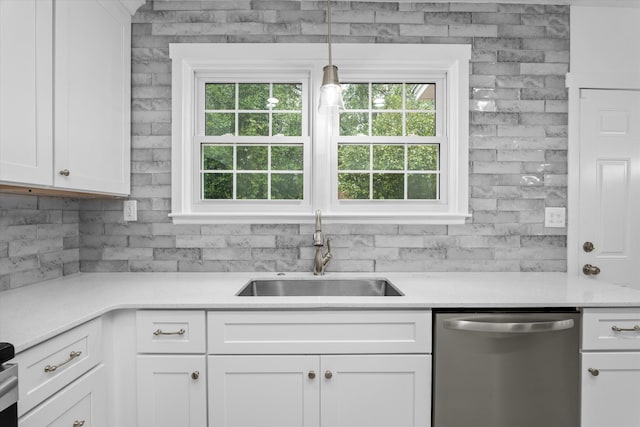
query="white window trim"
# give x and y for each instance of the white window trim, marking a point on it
(189, 60)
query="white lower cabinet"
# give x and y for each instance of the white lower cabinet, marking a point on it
(610, 389)
(320, 391)
(81, 404)
(610, 367)
(172, 391)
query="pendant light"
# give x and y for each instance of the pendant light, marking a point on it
(330, 91)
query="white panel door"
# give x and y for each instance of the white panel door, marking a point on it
(610, 391)
(610, 183)
(172, 391)
(376, 391)
(26, 91)
(92, 88)
(264, 391)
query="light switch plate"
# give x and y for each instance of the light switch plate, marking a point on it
(555, 217)
(130, 210)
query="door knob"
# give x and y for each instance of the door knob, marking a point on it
(590, 270)
(588, 247)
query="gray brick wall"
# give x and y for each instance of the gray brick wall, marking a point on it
(39, 239)
(518, 143)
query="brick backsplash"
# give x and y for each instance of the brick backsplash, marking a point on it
(39, 239)
(518, 143)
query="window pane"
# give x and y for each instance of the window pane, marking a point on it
(354, 124)
(252, 157)
(220, 96)
(353, 186)
(355, 96)
(388, 186)
(287, 124)
(386, 96)
(218, 124)
(252, 186)
(387, 124)
(421, 124)
(422, 186)
(217, 157)
(421, 96)
(388, 157)
(353, 157)
(253, 96)
(289, 96)
(218, 186)
(286, 158)
(253, 124)
(287, 186)
(423, 157)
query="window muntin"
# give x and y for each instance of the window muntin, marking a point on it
(252, 142)
(389, 142)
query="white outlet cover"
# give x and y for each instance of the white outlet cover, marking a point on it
(131, 210)
(555, 217)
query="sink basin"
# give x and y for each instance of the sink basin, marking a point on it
(319, 287)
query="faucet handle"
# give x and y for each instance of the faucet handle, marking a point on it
(329, 246)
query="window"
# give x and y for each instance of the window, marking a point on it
(251, 141)
(249, 144)
(387, 145)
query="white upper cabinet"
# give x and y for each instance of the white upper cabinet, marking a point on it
(92, 96)
(65, 66)
(26, 91)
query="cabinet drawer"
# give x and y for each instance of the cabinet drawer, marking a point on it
(320, 332)
(48, 367)
(169, 331)
(611, 329)
(81, 404)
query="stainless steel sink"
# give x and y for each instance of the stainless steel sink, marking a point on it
(313, 287)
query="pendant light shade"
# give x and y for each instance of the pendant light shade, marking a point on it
(330, 91)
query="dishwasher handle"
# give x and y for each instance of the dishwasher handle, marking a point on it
(479, 325)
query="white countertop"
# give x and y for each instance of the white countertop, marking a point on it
(34, 313)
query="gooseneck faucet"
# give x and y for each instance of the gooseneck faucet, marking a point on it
(320, 261)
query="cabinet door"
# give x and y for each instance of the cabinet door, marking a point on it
(172, 391)
(376, 391)
(92, 96)
(265, 391)
(26, 91)
(610, 394)
(83, 403)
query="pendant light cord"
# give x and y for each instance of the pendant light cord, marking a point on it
(329, 29)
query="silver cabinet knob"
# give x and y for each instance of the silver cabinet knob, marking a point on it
(588, 247)
(78, 423)
(328, 375)
(594, 372)
(311, 375)
(64, 172)
(195, 375)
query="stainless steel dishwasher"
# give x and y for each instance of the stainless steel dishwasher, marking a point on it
(506, 369)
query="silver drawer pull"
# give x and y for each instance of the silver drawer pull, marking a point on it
(78, 423)
(72, 355)
(636, 328)
(594, 372)
(161, 332)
